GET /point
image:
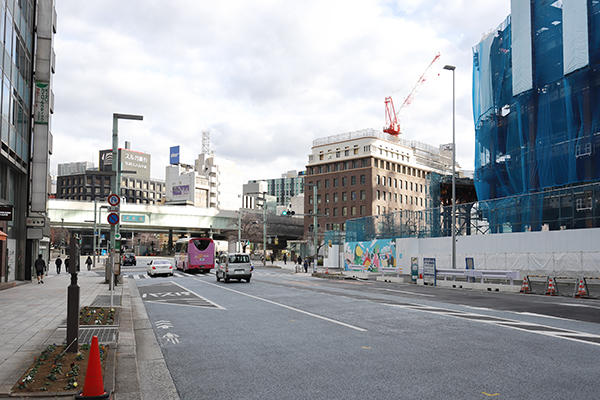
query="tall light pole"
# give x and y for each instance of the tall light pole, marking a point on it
(452, 225)
(116, 183)
(264, 229)
(315, 229)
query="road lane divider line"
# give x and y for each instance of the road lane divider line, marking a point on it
(407, 292)
(286, 306)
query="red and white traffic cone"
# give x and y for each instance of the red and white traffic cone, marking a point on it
(526, 288)
(551, 289)
(581, 289)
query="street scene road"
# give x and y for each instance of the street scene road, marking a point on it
(293, 336)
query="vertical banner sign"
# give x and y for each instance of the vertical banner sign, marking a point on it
(429, 271)
(174, 155)
(42, 103)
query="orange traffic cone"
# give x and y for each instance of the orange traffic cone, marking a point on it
(581, 289)
(551, 290)
(525, 288)
(94, 386)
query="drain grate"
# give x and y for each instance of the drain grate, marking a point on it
(105, 335)
(104, 300)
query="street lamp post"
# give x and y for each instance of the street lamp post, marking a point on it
(116, 183)
(452, 225)
(315, 230)
(265, 230)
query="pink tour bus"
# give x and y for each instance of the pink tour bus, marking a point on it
(195, 254)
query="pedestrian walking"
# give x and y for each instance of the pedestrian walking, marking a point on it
(40, 265)
(305, 265)
(67, 270)
(299, 260)
(88, 262)
(58, 264)
(284, 258)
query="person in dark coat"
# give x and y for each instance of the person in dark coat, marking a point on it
(58, 264)
(40, 266)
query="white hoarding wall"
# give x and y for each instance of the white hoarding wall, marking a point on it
(573, 253)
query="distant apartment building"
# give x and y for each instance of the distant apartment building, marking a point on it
(283, 189)
(367, 173)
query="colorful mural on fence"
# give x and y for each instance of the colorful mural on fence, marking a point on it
(370, 255)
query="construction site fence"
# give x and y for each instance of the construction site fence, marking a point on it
(573, 207)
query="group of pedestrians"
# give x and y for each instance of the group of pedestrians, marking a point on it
(305, 265)
(40, 266)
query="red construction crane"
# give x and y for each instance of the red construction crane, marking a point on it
(392, 126)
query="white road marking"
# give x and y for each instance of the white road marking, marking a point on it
(285, 306)
(407, 292)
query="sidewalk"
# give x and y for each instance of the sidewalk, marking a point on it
(34, 316)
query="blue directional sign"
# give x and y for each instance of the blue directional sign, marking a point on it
(133, 218)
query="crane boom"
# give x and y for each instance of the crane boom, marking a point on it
(392, 126)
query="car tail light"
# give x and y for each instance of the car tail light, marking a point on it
(153, 267)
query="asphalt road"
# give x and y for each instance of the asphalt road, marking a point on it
(286, 336)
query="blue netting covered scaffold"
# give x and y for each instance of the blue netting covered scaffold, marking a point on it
(536, 103)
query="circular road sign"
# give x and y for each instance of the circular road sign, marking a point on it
(114, 200)
(113, 218)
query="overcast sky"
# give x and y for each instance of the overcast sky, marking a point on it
(265, 78)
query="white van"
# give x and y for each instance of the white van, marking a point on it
(234, 266)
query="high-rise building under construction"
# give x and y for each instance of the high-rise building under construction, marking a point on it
(536, 106)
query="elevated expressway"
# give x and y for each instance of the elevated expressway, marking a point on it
(181, 220)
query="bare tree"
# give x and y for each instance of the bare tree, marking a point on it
(251, 229)
(58, 236)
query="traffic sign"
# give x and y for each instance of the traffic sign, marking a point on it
(113, 218)
(117, 236)
(114, 200)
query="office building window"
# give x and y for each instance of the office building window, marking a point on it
(363, 194)
(363, 210)
(363, 179)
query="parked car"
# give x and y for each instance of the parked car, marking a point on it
(234, 266)
(129, 259)
(159, 267)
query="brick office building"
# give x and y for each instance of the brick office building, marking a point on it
(367, 173)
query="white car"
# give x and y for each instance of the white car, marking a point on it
(234, 266)
(157, 267)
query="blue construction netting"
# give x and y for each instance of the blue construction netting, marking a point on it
(546, 135)
(574, 207)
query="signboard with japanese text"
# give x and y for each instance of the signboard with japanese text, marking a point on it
(429, 271)
(42, 103)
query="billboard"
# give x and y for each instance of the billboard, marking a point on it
(174, 155)
(130, 161)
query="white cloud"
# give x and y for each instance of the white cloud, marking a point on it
(265, 77)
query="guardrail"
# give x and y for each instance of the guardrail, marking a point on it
(394, 270)
(480, 274)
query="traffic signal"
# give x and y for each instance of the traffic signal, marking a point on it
(288, 213)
